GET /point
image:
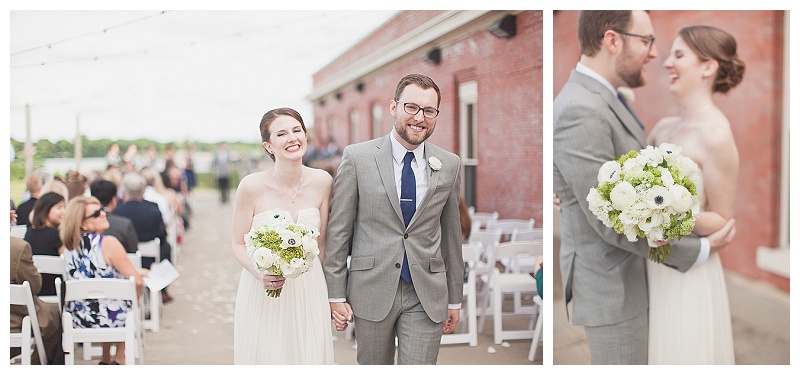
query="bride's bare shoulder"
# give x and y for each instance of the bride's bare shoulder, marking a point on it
(656, 134)
(251, 183)
(319, 176)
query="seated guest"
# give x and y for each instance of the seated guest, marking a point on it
(33, 185)
(90, 254)
(146, 218)
(77, 184)
(23, 269)
(42, 233)
(120, 227)
(56, 186)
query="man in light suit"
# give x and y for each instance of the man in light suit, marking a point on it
(604, 275)
(23, 269)
(406, 271)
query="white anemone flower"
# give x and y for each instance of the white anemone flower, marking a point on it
(658, 197)
(609, 172)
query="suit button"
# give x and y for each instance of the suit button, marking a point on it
(397, 265)
(405, 236)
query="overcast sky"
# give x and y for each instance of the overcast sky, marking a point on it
(173, 76)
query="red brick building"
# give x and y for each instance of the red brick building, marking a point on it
(488, 65)
(757, 109)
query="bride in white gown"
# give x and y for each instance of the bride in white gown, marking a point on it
(690, 320)
(294, 328)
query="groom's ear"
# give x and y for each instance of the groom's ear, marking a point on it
(611, 41)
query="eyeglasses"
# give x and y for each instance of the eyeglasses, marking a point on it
(96, 214)
(413, 109)
(650, 39)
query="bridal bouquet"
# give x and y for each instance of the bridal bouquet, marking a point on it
(650, 193)
(280, 247)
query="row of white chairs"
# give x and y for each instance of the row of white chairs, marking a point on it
(515, 278)
(478, 304)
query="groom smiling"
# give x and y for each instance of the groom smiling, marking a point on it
(395, 212)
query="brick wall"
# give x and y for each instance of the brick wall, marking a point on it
(509, 77)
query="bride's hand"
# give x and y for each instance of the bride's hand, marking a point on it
(722, 237)
(272, 282)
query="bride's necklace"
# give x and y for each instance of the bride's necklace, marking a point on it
(296, 189)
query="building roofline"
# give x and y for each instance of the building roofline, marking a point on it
(437, 27)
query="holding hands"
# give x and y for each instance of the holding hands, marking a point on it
(341, 314)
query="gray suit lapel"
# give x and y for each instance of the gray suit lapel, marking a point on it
(626, 117)
(384, 161)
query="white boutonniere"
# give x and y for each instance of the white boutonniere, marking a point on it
(435, 164)
(627, 94)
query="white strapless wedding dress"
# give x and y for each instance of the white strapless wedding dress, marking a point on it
(690, 317)
(292, 329)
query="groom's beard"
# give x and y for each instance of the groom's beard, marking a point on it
(401, 127)
(629, 69)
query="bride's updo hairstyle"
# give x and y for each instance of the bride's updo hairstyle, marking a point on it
(270, 116)
(711, 43)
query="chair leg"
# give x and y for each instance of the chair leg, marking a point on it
(497, 307)
(537, 335)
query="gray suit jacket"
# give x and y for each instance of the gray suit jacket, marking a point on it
(604, 274)
(366, 223)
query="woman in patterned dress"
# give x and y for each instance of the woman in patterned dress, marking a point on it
(91, 255)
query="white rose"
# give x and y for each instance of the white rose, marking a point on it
(263, 258)
(681, 198)
(609, 172)
(435, 163)
(626, 93)
(658, 197)
(310, 245)
(623, 196)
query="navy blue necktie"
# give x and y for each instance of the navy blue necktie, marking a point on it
(408, 203)
(629, 109)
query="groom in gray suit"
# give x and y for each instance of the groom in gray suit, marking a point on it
(395, 212)
(604, 275)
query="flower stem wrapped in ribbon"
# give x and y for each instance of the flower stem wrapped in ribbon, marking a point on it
(649, 193)
(280, 247)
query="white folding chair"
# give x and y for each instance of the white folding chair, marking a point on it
(537, 333)
(508, 225)
(19, 230)
(150, 249)
(509, 283)
(534, 234)
(82, 289)
(487, 238)
(484, 218)
(52, 265)
(151, 300)
(471, 253)
(21, 295)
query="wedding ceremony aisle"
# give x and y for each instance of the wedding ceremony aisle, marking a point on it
(197, 326)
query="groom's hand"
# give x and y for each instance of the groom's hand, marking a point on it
(722, 237)
(341, 314)
(450, 324)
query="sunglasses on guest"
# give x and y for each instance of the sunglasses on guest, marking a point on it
(96, 214)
